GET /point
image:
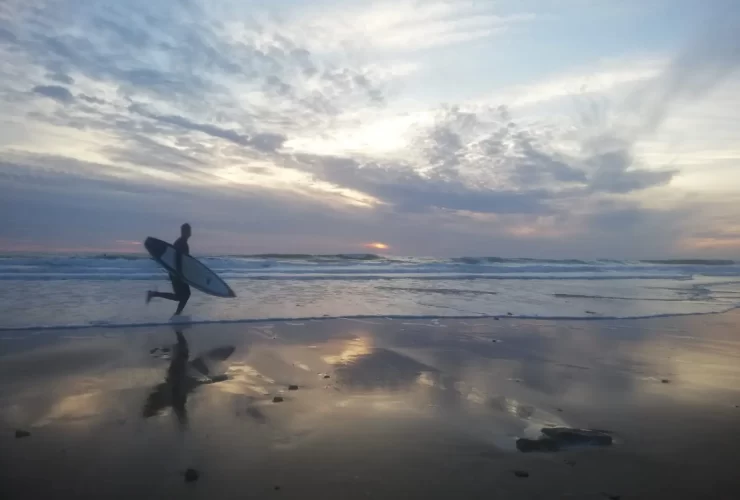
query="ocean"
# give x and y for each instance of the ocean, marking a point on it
(95, 290)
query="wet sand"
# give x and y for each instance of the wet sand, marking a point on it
(383, 409)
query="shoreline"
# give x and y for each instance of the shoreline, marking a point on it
(388, 317)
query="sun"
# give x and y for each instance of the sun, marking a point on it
(377, 245)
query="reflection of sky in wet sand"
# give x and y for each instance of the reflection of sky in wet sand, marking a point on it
(389, 378)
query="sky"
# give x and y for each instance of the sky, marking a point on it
(550, 128)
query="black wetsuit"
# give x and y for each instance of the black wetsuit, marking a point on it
(180, 288)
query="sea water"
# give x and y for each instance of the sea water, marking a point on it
(39, 291)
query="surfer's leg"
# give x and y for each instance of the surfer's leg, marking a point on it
(183, 295)
(175, 295)
(162, 295)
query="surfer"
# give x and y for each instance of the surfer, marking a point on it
(180, 288)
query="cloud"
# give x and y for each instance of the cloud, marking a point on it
(62, 78)
(614, 172)
(406, 25)
(312, 126)
(263, 142)
(59, 94)
(91, 100)
(711, 57)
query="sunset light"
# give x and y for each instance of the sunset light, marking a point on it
(377, 246)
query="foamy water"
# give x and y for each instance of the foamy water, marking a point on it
(51, 291)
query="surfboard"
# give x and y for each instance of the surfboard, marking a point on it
(194, 272)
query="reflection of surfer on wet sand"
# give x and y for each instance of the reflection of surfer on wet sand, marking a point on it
(184, 377)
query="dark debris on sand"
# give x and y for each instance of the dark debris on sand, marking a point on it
(20, 433)
(292, 387)
(327, 376)
(555, 438)
(521, 473)
(612, 497)
(277, 399)
(191, 475)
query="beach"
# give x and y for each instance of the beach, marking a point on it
(372, 408)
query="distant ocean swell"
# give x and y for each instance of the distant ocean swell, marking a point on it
(363, 266)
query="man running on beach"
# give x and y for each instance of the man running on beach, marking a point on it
(180, 288)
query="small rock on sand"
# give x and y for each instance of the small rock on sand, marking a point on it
(292, 387)
(19, 433)
(521, 473)
(191, 475)
(277, 488)
(665, 381)
(327, 376)
(277, 399)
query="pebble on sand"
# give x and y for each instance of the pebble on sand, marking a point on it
(292, 387)
(277, 399)
(521, 473)
(19, 433)
(327, 376)
(191, 475)
(665, 381)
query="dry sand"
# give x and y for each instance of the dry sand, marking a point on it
(383, 409)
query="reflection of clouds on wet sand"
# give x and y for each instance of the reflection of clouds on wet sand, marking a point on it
(389, 385)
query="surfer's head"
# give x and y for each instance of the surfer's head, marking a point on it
(185, 230)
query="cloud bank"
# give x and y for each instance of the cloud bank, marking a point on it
(298, 130)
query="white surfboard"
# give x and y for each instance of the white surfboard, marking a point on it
(193, 272)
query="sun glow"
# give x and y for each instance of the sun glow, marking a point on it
(377, 245)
